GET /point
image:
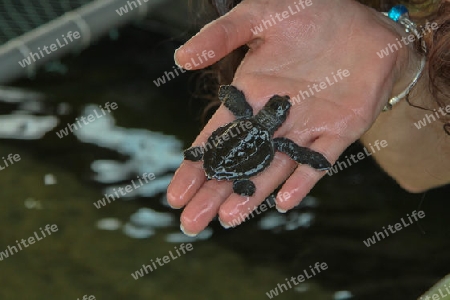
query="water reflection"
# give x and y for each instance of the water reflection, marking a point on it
(145, 221)
(291, 220)
(146, 152)
(26, 127)
(19, 122)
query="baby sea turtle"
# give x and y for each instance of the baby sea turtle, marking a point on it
(245, 147)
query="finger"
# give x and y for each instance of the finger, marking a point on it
(237, 208)
(185, 182)
(190, 176)
(204, 206)
(304, 177)
(216, 40)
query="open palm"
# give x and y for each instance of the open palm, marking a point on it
(325, 58)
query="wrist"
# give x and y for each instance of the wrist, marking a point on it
(410, 63)
(411, 68)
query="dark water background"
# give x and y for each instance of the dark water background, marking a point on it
(241, 263)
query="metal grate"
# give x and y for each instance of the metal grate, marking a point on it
(28, 25)
(20, 16)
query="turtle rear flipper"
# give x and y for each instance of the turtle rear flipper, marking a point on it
(301, 155)
(234, 100)
(244, 187)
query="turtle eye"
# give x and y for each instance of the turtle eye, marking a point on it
(275, 105)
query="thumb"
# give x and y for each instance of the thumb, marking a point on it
(215, 40)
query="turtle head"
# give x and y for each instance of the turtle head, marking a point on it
(274, 113)
(278, 106)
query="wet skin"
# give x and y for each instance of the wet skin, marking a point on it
(246, 153)
(284, 59)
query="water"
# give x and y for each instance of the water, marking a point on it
(95, 251)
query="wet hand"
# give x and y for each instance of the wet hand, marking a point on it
(323, 54)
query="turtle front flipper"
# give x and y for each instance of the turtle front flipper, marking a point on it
(193, 153)
(301, 155)
(234, 100)
(244, 187)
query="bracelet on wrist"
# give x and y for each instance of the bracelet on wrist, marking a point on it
(399, 14)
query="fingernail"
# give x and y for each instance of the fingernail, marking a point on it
(187, 233)
(226, 226)
(283, 211)
(168, 202)
(175, 58)
(174, 207)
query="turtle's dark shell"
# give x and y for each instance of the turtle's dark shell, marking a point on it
(238, 152)
(246, 146)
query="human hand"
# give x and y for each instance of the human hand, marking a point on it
(295, 54)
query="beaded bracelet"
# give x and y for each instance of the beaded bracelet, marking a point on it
(399, 14)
